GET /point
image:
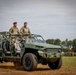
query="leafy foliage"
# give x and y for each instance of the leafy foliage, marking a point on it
(67, 44)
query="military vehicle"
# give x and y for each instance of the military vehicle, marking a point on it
(29, 52)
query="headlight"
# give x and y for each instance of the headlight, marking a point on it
(40, 51)
(59, 51)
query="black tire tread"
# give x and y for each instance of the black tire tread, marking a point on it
(57, 64)
(33, 59)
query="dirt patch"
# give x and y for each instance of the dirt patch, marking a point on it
(68, 68)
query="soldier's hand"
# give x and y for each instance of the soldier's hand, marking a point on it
(11, 33)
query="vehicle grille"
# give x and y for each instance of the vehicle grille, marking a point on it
(52, 50)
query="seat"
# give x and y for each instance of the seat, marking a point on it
(6, 47)
(17, 47)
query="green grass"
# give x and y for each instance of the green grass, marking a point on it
(69, 65)
(69, 61)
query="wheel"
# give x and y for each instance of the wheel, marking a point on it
(55, 65)
(29, 62)
(17, 63)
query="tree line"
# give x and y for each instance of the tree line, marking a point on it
(67, 45)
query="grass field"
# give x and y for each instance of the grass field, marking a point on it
(68, 68)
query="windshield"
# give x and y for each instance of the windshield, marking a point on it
(35, 39)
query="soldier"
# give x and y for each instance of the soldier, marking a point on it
(25, 30)
(14, 29)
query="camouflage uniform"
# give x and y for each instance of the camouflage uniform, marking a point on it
(25, 30)
(13, 30)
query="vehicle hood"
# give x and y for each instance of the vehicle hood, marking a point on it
(45, 45)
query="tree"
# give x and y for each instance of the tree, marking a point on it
(57, 42)
(69, 43)
(74, 45)
(63, 42)
(50, 41)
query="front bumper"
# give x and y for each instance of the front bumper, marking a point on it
(49, 55)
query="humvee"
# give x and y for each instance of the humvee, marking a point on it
(29, 52)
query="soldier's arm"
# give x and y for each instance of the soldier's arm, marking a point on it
(21, 30)
(10, 31)
(29, 31)
(18, 31)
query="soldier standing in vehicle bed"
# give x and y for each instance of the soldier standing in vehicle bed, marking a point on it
(25, 30)
(14, 30)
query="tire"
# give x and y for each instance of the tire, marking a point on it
(55, 65)
(17, 63)
(29, 62)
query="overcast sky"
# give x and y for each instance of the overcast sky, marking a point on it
(50, 18)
